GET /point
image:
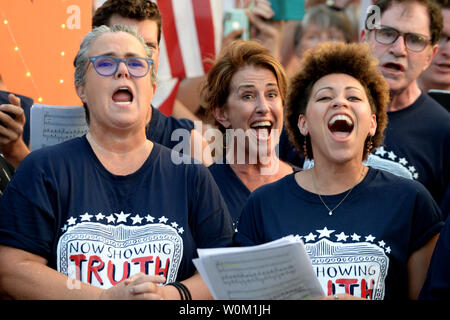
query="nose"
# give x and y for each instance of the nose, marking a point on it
(122, 70)
(262, 106)
(398, 48)
(339, 101)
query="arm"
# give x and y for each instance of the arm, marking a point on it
(12, 145)
(418, 266)
(24, 275)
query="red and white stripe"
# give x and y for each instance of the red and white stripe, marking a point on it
(191, 34)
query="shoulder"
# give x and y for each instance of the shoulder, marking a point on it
(271, 190)
(392, 184)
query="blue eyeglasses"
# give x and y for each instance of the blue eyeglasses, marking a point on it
(106, 66)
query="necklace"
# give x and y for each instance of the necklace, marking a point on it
(330, 211)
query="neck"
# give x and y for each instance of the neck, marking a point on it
(334, 180)
(120, 155)
(403, 99)
(255, 175)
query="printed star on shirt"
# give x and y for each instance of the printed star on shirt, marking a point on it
(310, 237)
(174, 225)
(325, 233)
(388, 249)
(163, 219)
(341, 236)
(71, 221)
(111, 218)
(355, 237)
(137, 219)
(99, 216)
(403, 161)
(64, 228)
(149, 218)
(370, 238)
(122, 217)
(412, 168)
(416, 175)
(380, 151)
(86, 217)
(392, 155)
(181, 230)
(381, 243)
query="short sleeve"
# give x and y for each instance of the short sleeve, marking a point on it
(26, 217)
(211, 222)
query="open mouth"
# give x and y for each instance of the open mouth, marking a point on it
(394, 66)
(122, 96)
(341, 125)
(262, 129)
(444, 66)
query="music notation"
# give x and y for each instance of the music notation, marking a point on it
(54, 124)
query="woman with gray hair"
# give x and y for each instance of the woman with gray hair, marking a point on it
(108, 213)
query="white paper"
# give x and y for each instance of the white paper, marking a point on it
(50, 125)
(273, 271)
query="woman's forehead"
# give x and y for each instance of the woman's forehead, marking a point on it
(119, 42)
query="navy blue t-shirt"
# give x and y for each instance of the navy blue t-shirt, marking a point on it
(233, 190)
(363, 248)
(418, 138)
(161, 127)
(63, 205)
(437, 283)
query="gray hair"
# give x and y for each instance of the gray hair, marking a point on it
(82, 58)
(325, 17)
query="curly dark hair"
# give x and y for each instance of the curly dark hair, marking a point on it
(132, 9)
(433, 9)
(353, 59)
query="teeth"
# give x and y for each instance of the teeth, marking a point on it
(123, 102)
(341, 117)
(261, 124)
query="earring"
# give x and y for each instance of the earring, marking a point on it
(369, 145)
(305, 148)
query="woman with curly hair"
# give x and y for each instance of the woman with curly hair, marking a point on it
(369, 233)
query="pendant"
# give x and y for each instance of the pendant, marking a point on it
(330, 213)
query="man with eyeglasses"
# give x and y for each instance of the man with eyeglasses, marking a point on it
(437, 75)
(418, 132)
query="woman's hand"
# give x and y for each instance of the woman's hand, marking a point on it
(138, 287)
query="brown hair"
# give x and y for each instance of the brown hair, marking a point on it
(433, 9)
(354, 59)
(133, 9)
(237, 55)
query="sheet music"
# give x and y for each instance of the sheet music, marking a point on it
(274, 271)
(50, 125)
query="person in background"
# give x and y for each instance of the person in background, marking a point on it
(437, 283)
(437, 75)
(245, 92)
(109, 213)
(350, 216)
(418, 130)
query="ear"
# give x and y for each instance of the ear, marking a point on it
(430, 56)
(373, 125)
(221, 116)
(81, 93)
(302, 125)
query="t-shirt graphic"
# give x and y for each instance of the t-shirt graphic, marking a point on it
(102, 250)
(348, 265)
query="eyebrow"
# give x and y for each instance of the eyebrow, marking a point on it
(113, 54)
(330, 88)
(246, 86)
